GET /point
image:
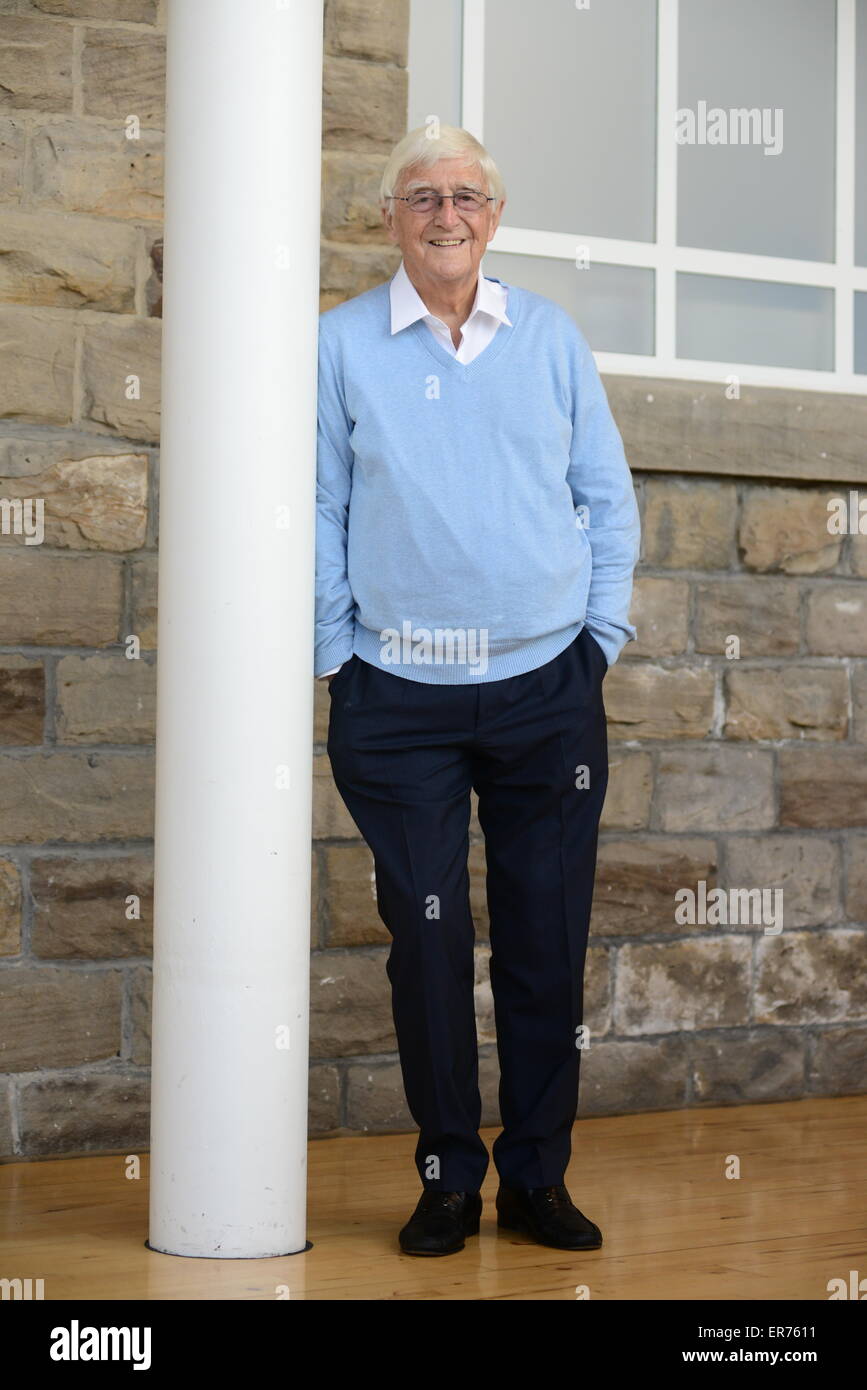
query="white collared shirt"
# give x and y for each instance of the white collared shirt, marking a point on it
(485, 317)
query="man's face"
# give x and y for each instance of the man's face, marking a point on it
(420, 235)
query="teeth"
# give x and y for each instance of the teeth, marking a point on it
(459, 242)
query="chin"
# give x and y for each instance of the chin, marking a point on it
(457, 261)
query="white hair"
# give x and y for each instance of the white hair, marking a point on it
(426, 145)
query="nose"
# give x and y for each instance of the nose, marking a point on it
(447, 216)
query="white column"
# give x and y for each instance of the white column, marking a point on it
(235, 658)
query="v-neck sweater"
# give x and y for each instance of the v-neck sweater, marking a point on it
(472, 517)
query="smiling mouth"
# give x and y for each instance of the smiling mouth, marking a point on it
(447, 241)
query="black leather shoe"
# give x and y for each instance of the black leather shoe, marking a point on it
(548, 1215)
(440, 1222)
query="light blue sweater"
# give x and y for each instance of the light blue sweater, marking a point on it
(450, 497)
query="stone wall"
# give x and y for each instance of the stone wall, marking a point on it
(744, 772)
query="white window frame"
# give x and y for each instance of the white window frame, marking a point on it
(666, 258)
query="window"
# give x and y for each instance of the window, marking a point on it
(688, 179)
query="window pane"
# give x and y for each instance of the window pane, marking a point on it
(434, 62)
(861, 133)
(724, 320)
(778, 59)
(611, 304)
(861, 333)
(570, 114)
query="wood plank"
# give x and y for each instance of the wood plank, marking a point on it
(675, 1227)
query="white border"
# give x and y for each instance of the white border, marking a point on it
(844, 251)
(473, 69)
(666, 180)
(666, 258)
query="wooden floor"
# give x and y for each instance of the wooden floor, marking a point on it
(674, 1226)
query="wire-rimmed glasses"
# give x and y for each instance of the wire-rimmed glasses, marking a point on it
(428, 200)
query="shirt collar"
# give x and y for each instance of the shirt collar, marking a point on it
(407, 305)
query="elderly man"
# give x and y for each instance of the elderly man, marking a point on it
(477, 534)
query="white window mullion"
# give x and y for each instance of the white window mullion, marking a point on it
(666, 180)
(844, 298)
(748, 373)
(560, 246)
(473, 73)
(737, 265)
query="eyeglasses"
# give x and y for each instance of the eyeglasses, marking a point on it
(425, 200)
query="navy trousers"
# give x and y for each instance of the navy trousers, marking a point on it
(405, 756)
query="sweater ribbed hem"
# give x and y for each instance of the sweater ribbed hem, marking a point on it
(517, 662)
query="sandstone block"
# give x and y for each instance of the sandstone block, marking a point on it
(786, 528)
(323, 1099)
(59, 600)
(811, 977)
(799, 702)
(715, 789)
(761, 613)
(636, 880)
(143, 571)
(823, 787)
(839, 1062)
(11, 157)
(806, 869)
(105, 699)
(67, 262)
(93, 1112)
(748, 1068)
(140, 1005)
(22, 700)
(374, 29)
(856, 891)
(375, 1099)
(364, 105)
(330, 816)
(350, 197)
(75, 797)
(674, 986)
(620, 1077)
(58, 1018)
(121, 376)
(123, 74)
(10, 909)
(128, 11)
(95, 503)
(76, 166)
(649, 701)
(837, 620)
(689, 525)
(350, 1004)
(659, 613)
(346, 271)
(630, 784)
(37, 355)
(351, 898)
(82, 908)
(35, 64)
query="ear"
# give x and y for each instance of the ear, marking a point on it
(388, 222)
